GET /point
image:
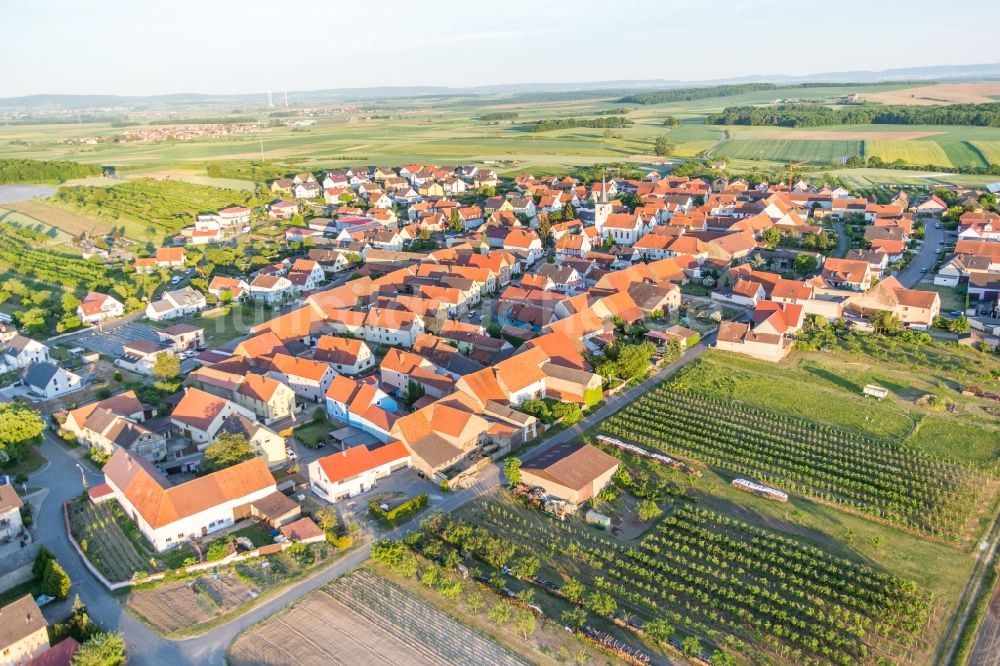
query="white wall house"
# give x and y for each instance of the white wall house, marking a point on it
(355, 470)
(20, 352)
(97, 307)
(175, 304)
(47, 380)
(171, 515)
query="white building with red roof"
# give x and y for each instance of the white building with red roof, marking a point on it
(355, 470)
(98, 307)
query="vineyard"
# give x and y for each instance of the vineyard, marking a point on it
(160, 204)
(886, 481)
(751, 589)
(48, 266)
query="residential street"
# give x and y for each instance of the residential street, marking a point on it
(910, 276)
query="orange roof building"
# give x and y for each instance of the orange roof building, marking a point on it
(170, 515)
(355, 470)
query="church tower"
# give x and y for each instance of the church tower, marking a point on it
(602, 208)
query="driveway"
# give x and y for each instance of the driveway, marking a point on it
(925, 258)
(62, 479)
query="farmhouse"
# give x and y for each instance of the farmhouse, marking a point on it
(573, 472)
(170, 515)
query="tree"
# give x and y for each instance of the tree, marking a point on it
(671, 121)
(569, 412)
(499, 614)
(226, 450)
(658, 629)
(771, 236)
(55, 580)
(455, 221)
(885, 322)
(805, 264)
(602, 603)
(103, 649)
(573, 590)
(525, 566)
(720, 658)
(960, 325)
(68, 322)
(691, 646)
(166, 366)
(574, 617)
(663, 147)
(544, 228)
(524, 621)
(512, 470)
(395, 555)
(648, 509)
(855, 162)
(69, 302)
(42, 560)
(19, 428)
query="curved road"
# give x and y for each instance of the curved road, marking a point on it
(62, 478)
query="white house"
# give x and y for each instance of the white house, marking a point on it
(171, 515)
(47, 380)
(140, 355)
(348, 356)
(174, 304)
(20, 352)
(308, 378)
(355, 470)
(270, 288)
(98, 307)
(10, 512)
(199, 415)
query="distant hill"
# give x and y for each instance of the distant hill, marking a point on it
(982, 72)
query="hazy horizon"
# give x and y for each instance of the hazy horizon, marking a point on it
(227, 47)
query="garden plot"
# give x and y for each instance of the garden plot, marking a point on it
(173, 606)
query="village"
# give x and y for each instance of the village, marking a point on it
(425, 324)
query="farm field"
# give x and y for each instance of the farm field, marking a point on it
(360, 619)
(448, 129)
(889, 482)
(68, 222)
(49, 235)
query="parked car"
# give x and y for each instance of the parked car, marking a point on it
(956, 313)
(175, 279)
(44, 599)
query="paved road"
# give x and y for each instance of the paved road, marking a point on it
(62, 478)
(925, 258)
(841, 229)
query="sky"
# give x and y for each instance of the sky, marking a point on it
(139, 47)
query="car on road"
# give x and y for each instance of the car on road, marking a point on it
(44, 599)
(956, 313)
(291, 455)
(175, 279)
(937, 226)
(923, 270)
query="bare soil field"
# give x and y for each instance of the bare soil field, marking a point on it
(64, 220)
(986, 650)
(828, 135)
(173, 606)
(364, 619)
(940, 93)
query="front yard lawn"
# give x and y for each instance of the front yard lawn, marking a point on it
(31, 462)
(257, 533)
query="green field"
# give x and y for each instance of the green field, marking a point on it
(826, 387)
(913, 152)
(789, 150)
(445, 129)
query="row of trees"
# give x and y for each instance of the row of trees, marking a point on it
(41, 171)
(569, 123)
(813, 115)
